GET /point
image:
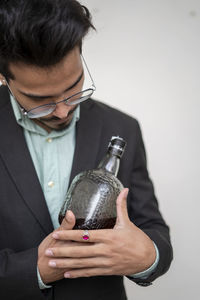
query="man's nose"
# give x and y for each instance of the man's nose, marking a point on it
(61, 110)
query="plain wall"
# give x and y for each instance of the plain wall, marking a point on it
(145, 61)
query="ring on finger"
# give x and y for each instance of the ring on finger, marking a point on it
(85, 235)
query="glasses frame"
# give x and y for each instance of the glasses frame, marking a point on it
(28, 113)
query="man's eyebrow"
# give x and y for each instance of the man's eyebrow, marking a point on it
(39, 97)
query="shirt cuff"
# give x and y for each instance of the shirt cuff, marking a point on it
(145, 274)
(42, 286)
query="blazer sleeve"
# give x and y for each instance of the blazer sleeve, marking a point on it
(144, 212)
(18, 276)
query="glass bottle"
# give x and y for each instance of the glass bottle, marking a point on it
(93, 193)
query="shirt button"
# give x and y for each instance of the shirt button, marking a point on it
(49, 140)
(50, 183)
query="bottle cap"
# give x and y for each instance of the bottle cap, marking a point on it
(117, 145)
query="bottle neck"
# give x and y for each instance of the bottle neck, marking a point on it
(110, 163)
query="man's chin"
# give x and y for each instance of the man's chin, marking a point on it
(50, 125)
(61, 126)
(54, 123)
(57, 127)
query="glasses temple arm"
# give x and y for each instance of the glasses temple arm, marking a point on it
(89, 72)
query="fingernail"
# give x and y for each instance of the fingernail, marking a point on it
(55, 235)
(67, 275)
(68, 215)
(52, 263)
(126, 192)
(49, 252)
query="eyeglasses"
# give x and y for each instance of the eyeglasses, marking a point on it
(46, 109)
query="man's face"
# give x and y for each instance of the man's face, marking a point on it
(34, 86)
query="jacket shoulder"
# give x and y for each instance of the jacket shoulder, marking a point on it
(109, 114)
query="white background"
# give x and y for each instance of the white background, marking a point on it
(145, 61)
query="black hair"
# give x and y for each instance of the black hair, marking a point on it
(40, 32)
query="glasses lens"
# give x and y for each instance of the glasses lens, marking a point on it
(41, 111)
(79, 97)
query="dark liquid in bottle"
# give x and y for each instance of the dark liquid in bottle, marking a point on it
(106, 223)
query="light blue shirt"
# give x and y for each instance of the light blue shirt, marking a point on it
(52, 154)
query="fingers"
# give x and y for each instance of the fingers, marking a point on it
(95, 236)
(87, 272)
(79, 263)
(122, 212)
(86, 250)
(68, 221)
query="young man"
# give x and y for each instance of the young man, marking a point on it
(48, 134)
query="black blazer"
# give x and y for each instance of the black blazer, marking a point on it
(24, 217)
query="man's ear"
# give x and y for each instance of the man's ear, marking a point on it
(2, 80)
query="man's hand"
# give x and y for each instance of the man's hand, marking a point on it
(124, 250)
(47, 273)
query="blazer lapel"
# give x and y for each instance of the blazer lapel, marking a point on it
(88, 136)
(17, 159)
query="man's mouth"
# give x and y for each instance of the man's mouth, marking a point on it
(57, 120)
(61, 121)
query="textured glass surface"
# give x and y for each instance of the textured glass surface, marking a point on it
(92, 198)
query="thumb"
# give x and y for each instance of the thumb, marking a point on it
(122, 213)
(68, 221)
